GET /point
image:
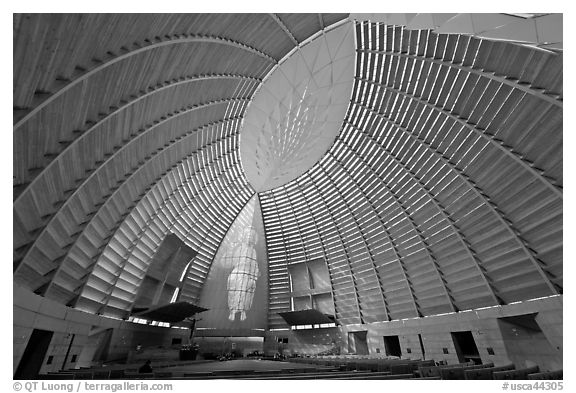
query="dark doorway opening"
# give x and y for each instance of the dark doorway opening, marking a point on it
(392, 345)
(34, 354)
(357, 343)
(466, 348)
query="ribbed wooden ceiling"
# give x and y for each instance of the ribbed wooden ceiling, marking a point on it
(126, 129)
(442, 192)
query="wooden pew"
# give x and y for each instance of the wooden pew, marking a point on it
(458, 372)
(83, 375)
(294, 370)
(376, 375)
(405, 368)
(198, 374)
(263, 374)
(486, 373)
(516, 374)
(224, 373)
(434, 371)
(133, 375)
(267, 372)
(162, 374)
(102, 374)
(317, 375)
(547, 375)
(51, 376)
(117, 374)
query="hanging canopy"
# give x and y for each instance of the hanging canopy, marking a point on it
(306, 317)
(173, 312)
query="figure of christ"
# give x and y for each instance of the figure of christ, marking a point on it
(242, 280)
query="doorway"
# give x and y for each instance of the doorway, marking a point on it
(33, 355)
(357, 343)
(392, 346)
(466, 348)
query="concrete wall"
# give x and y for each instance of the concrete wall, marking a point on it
(35, 312)
(528, 346)
(303, 342)
(436, 338)
(483, 324)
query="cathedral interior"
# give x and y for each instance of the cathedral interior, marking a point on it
(340, 195)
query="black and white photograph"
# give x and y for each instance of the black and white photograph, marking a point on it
(248, 196)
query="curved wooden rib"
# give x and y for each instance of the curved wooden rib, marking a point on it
(386, 231)
(143, 131)
(149, 92)
(282, 265)
(322, 242)
(131, 248)
(506, 223)
(444, 213)
(96, 258)
(45, 228)
(339, 232)
(405, 213)
(284, 28)
(172, 41)
(368, 251)
(493, 141)
(553, 99)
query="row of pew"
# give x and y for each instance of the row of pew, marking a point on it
(335, 368)
(488, 371)
(117, 371)
(429, 369)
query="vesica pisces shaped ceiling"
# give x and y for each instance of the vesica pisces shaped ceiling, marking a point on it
(298, 111)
